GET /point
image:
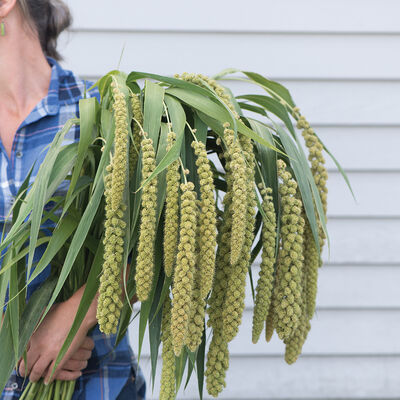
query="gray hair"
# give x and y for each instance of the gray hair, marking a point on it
(48, 18)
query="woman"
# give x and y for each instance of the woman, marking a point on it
(37, 96)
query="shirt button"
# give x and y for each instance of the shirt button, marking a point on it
(18, 154)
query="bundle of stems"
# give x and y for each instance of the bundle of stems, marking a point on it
(194, 186)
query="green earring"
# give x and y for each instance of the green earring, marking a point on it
(2, 29)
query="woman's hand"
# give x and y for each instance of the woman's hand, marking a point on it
(72, 369)
(49, 337)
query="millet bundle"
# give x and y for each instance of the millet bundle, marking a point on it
(236, 289)
(311, 266)
(266, 278)
(109, 302)
(218, 353)
(294, 344)
(185, 268)
(312, 258)
(134, 147)
(236, 165)
(191, 204)
(207, 220)
(145, 256)
(171, 224)
(167, 391)
(217, 364)
(196, 317)
(288, 293)
(269, 322)
(284, 292)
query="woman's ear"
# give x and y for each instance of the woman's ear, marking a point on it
(6, 6)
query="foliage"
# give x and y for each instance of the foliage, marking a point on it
(186, 148)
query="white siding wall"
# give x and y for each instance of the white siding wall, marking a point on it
(340, 59)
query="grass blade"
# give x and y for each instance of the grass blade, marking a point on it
(153, 110)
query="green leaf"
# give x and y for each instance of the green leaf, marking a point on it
(4, 280)
(203, 104)
(153, 110)
(77, 241)
(178, 119)
(161, 181)
(91, 287)
(179, 83)
(180, 365)
(191, 365)
(13, 307)
(87, 111)
(146, 305)
(273, 88)
(217, 127)
(64, 162)
(155, 318)
(164, 293)
(201, 351)
(201, 129)
(252, 108)
(273, 106)
(60, 235)
(30, 316)
(341, 170)
(103, 83)
(108, 131)
(211, 109)
(8, 264)
(177, 115)
(206, 91)
(267, 158)
(40, 191)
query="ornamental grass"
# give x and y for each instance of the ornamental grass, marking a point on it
(190, 184)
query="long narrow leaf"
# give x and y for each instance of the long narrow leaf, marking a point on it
(89, 294)
(77, 241)
(30, 316)
(153, 109)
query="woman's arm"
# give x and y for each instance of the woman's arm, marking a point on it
(48, 339)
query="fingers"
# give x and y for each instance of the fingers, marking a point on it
(81, 355)
(88, 344)
(75, 365)
(24, 370)
(65, 375)
(37, 366)
(38, 369)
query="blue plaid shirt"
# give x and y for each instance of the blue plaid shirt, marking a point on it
(111, 372)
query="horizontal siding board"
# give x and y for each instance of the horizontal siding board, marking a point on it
(366, 148)
(270, 15)
(342, 204)
(283, 55)
(311, 378)
(352, 287)
(363, 241)
(356, 333)
(343, 102)
(377, 194)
